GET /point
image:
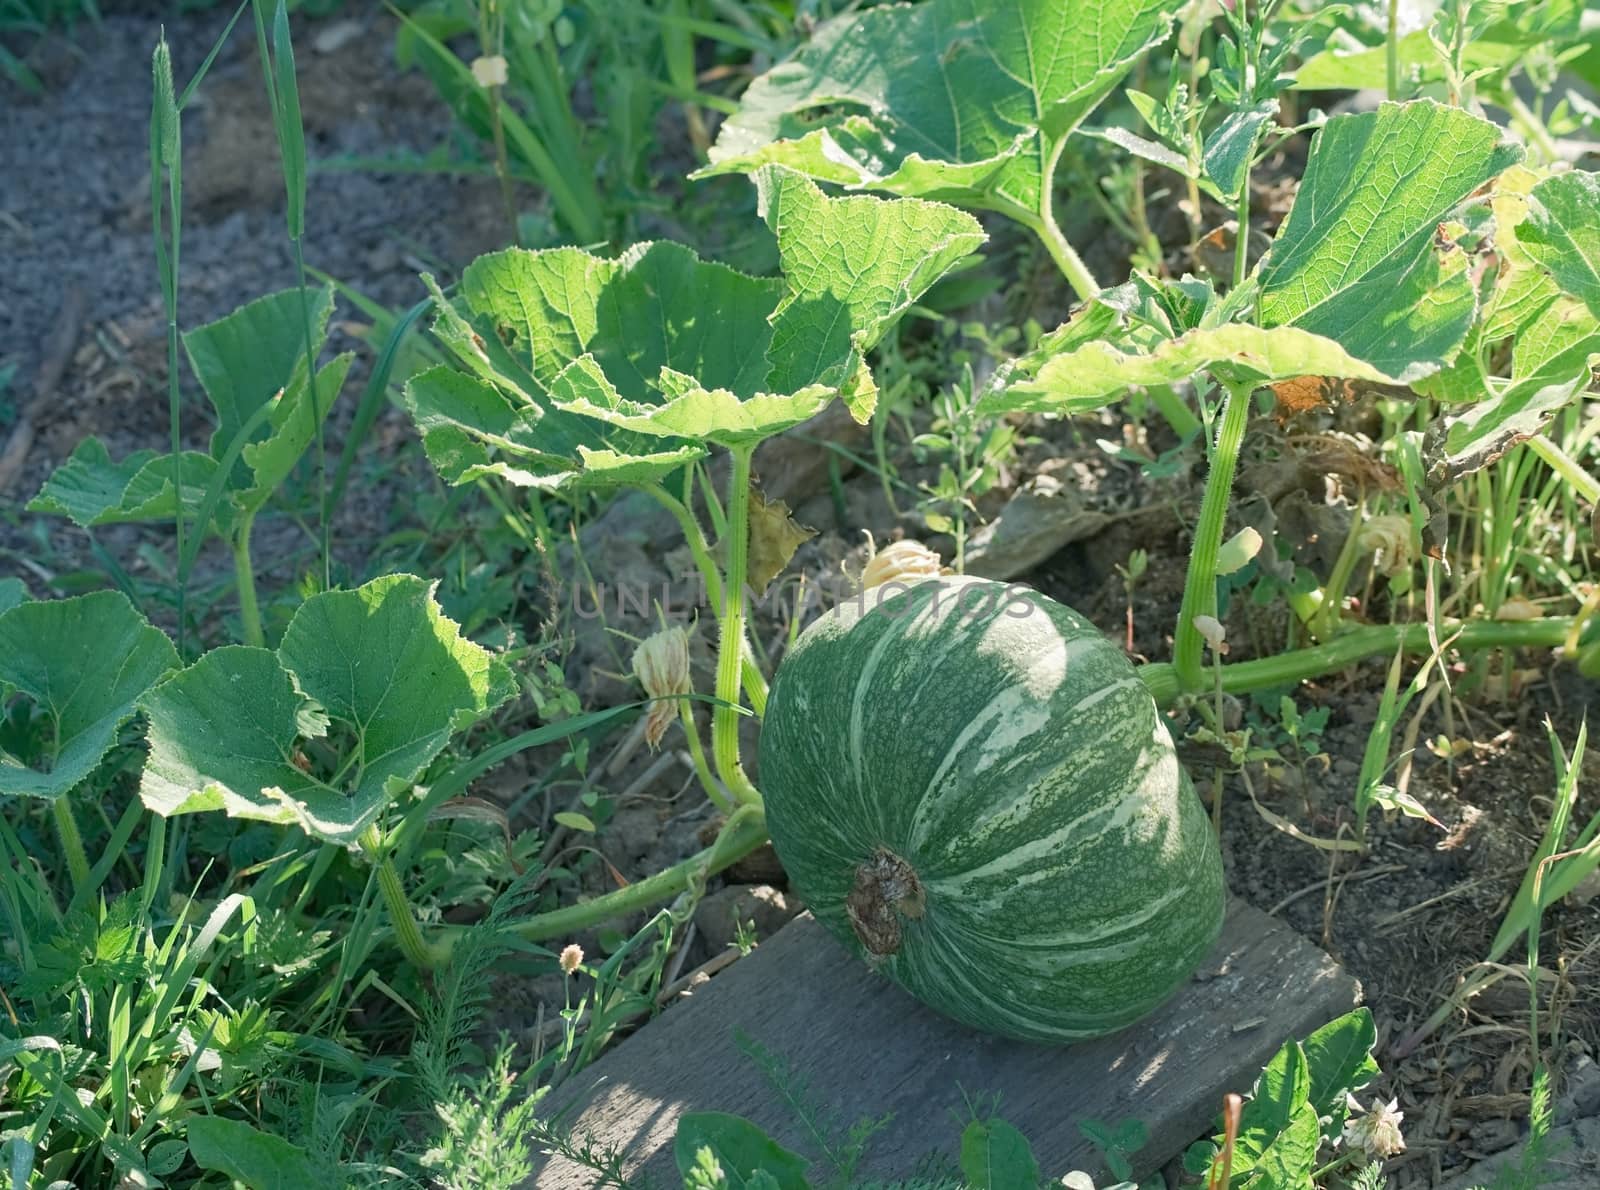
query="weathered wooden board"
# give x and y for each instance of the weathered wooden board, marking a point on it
(865, 1048)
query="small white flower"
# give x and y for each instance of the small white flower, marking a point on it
(571, 958)
(490, 71)
(1377, 1132)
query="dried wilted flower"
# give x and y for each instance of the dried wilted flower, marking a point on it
(1519, 608)
(490, 71)
(1377, 1133)
(1391, 538)
(571, 958)
(1216, 635)
(661, 663)
(901, 562)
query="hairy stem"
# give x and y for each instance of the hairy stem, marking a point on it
(742, 834)
(408, 934)
(1241, 677)
(731, 646)
(697, 754)
(1392, 50)
(1200, 588)
(1062, 252)
(754, 681)
(244, 574)
(71, 842)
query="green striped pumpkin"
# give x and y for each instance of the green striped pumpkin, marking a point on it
(971, 787)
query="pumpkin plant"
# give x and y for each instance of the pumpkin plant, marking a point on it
(64, 706)
(966, 103)
(575, 372)
(252, 367)
(578, 372)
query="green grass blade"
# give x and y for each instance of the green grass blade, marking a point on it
(210, 58)
(286, 119)
(166, 161)
(372, 397)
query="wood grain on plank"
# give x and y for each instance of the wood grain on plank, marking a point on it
(865, 1048)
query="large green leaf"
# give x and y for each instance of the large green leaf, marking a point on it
(689, 411)
(292, 426)
(83, 662)
(252, 366)
(12, 592)
(586, 371)
(246, 358)
(1536, 307)
(379, 669)
(223, 737)
(91, 490)
(1359, 259)
(955, 100)
(851, 266)
(1562, 233)
(1097, 373)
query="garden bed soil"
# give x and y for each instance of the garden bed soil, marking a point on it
(1408, 919)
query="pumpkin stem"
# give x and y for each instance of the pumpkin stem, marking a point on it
(886, 889)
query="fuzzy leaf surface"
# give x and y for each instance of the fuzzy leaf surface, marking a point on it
(586, 371)
(380, 666)
(1096, 373)
(292, 427)
(953, 100)
(244, 359)
(1562, 233)
(852, 266)
(83, 662)
(90, 489)
(1357, 259)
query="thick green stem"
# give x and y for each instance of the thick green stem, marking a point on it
(1200, 588)
(1241, 677)
(71, 842)
(755, 682)
(245, 578)
(406, 930)
(1042, 223)
(697, 754)
(744, 832)
(1533, 127)
(1565, 466)
(1241, 236)
(747, 829)
(731, 646)
(316, 412)
(1062, 252)
(1392, 50)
